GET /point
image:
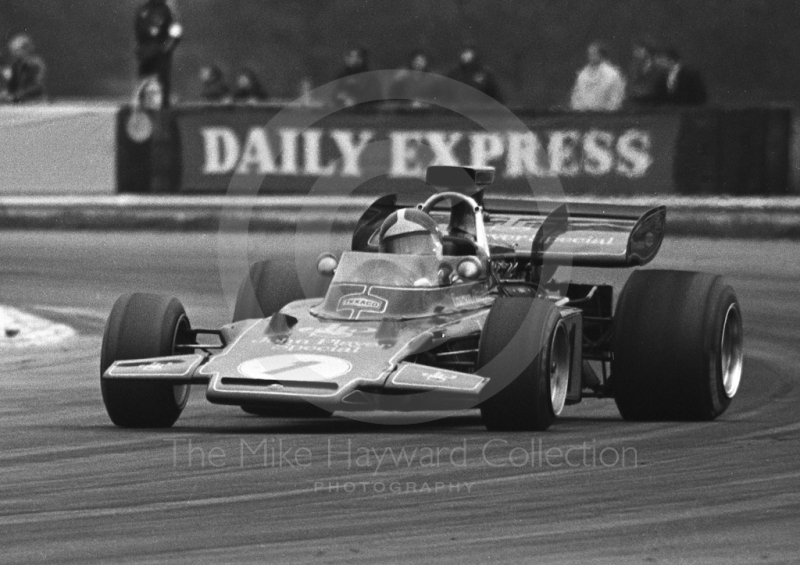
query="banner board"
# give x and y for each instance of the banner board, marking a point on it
(283, 151)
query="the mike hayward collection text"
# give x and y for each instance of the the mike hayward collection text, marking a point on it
(348, 454)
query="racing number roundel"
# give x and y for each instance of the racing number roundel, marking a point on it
(298, 367)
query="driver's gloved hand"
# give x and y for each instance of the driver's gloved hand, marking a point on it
(446, 275)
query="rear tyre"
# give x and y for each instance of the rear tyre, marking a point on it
(678, 346)
(525, 352)
(286, 411)
(271, 285)
(142, 326)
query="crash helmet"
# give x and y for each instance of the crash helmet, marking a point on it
(410, 232)
(21, 46)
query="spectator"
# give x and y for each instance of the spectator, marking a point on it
(470, 71)
(647, 84)
(600, 85)
(247, 88)
(25, 77)
(353, 87)
(306, 95)
(410, 83)
(150, 96)
(684, 86)
(213, 85)
(157, 36)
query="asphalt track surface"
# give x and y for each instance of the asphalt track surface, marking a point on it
(75, 489)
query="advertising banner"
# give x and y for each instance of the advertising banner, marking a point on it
(605, 154)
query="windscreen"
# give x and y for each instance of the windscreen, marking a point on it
(371, 286)
(387, 269)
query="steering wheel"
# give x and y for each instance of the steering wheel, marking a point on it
(477, 211)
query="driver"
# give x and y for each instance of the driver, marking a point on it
(410, 232)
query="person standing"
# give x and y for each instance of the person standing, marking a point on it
(647, 83)
(470, 71)
(247, 88)
(600, 85)
(355, 84)
(213, 87)
(414, 82)
(684, 86)
(157, 36)
(25, 77)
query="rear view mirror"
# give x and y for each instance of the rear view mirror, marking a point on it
(327, 263)
(470, 269)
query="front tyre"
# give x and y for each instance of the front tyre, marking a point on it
(678, 346)
(142, 326)
(525, 352)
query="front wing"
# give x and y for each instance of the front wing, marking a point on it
(386, 383)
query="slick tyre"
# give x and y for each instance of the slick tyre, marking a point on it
(525, 352)
(678, 347)
(273, 284)
(142, 326)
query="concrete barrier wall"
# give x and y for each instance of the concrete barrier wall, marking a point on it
(85, 149)
(58, 149)
(794, 156)
(748, 217)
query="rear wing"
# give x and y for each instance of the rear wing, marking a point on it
(591, 235)
(583, 235)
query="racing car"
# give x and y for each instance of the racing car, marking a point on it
(445, 306)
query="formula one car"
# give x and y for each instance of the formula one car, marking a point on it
(442, 308)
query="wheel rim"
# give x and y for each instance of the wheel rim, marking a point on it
(181, 392)
(559, 369)
(731, 351)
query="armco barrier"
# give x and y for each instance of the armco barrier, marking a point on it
(200, 149)
(58, 149)
(745, 217)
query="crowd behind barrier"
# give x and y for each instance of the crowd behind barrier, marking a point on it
(657, 78)
(620, 143)
(657, 74)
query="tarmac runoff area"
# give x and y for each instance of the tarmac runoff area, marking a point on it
(740, 217)
(75, 489)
